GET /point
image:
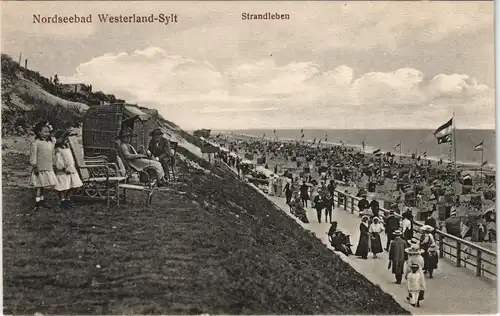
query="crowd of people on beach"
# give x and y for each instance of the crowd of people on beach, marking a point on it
(337, 168)
(432, 188)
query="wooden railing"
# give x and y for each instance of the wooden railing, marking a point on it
(462, 252)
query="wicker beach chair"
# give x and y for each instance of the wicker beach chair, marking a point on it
(100, 178)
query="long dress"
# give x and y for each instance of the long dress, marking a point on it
(270, 188)
(314, 193)
(376, 242)
(363, 244)
(303, 192)
(288, 193)
(142, 163)
(425, 242)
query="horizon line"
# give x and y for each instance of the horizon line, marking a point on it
(336, 129)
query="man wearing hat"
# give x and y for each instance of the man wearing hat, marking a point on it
(397, 255)
(159, 148)
(391, 225)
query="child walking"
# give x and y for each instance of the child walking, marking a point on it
(432, 260)
(41, 159)
(67, 176)
(416, 285)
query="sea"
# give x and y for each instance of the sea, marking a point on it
(413, 141)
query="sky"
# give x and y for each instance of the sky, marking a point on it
(337, 65)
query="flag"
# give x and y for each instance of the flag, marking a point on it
(443, 132)
(424, 154)
(376, 151)
(314, 140)
(326, 138)
(397, 146)
(467, 177)
(484, 163)
(479, 147)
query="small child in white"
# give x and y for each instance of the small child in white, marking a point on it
(66, 173)
(416, 285)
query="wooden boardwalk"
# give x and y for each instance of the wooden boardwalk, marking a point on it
(453, 290)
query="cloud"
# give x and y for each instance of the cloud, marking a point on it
(256, 94)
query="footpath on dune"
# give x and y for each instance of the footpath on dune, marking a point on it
(211, 244)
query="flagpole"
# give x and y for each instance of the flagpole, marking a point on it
(454, 140)
(481, 168)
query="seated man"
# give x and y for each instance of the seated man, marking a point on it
(136, 160)
(159, 148)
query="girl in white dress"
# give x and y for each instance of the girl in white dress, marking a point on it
(41, 159)
(66, 173)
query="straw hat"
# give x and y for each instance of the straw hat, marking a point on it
(414, 265)
(414, 249)
(426, 228)
(397, 232)
(365, 217)
(376, 218)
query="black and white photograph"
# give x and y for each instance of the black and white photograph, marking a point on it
(248, 157)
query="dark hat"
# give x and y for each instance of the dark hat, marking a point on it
(61, 133)
(156, 131)
(125, 132)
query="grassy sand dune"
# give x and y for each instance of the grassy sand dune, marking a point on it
(212, 245)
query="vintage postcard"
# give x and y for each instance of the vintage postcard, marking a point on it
(248, 157)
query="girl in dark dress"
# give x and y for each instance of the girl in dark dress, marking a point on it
(432, 260)
(426, 241)
(304, 194)
(364, 242)
(288, 192)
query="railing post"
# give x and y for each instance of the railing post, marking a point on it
(352, 204)
(459, 254)
(479, 263)
(345, 201)
(441, 246)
